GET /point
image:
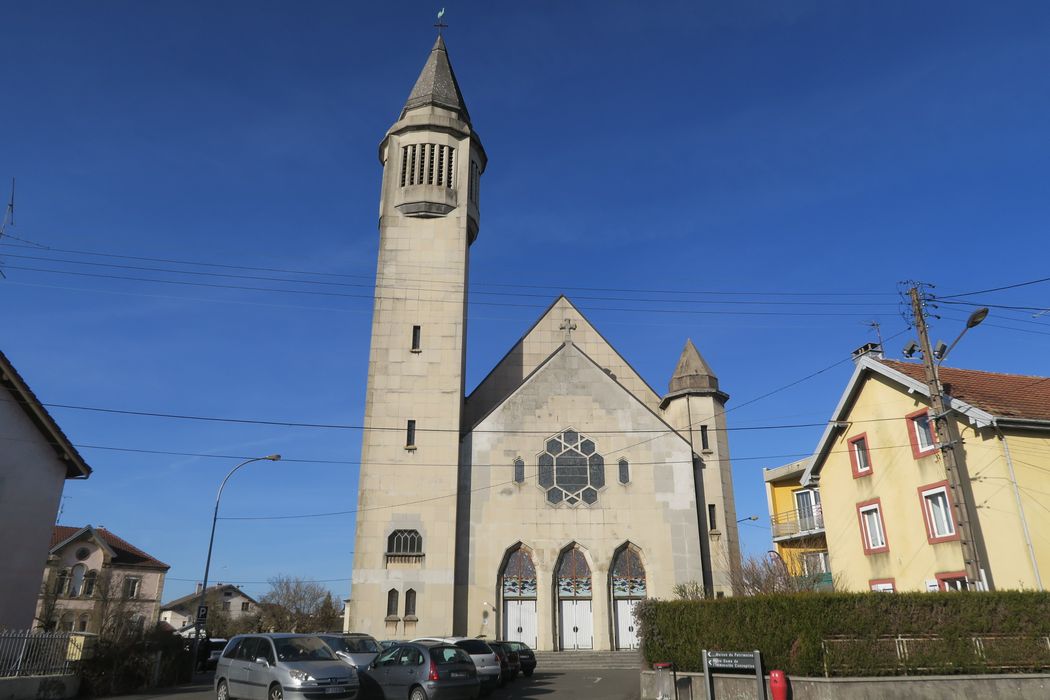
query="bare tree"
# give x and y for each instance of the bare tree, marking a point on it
(766, 575)
(295, 605)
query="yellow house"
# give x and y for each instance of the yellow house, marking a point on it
(797, 521)
(886, 506)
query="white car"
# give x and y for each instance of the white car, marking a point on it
(481, 654)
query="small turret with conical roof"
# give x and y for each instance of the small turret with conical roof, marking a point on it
(695, 407)
(437, 85)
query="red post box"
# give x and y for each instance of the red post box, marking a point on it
(778, 685)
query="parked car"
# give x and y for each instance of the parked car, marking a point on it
(270, 666)
(212, 650)
(388, 643)
(510, 663)
(355, 648)
(426, 670)
(525, 655)
(485, 660)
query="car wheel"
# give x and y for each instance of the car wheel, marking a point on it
(527, 673)
(222, 691)
(276, 693)
(417, 694)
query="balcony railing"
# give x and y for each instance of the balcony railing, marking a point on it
(798, 522)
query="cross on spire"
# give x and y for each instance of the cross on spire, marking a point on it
(568, 325)
(441, 25)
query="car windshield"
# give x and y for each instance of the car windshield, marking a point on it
(361, 645)
(335, 643)
(302, 649)
(449, 655)
(474, 646)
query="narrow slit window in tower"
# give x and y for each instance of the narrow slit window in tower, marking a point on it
(410, 434)
(712, 520)
(404, 164)
(625, 471)
(430, 164)
(391, 602)
(412, 165)
(703, 438)
(410, 602)
(448, 178)
(519, 470)
(416, 333)
(441, 165)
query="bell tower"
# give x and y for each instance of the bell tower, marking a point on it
(404, 554)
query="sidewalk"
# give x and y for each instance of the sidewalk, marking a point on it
(202, 684)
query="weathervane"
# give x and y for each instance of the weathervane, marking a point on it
(441, 25)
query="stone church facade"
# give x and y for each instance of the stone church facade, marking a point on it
(563, 489)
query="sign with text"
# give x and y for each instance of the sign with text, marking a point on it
(732, 662)
(202, 613)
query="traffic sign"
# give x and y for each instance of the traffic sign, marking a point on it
(202, 613)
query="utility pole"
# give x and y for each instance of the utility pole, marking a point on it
(953, 457)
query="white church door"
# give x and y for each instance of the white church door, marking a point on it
(518, 588)
(519, 621)
(628, 587)
(575, 621)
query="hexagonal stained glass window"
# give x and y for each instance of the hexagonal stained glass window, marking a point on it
(570, 469)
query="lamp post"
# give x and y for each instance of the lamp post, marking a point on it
(211, 542)
(953, 457)
(751, 518)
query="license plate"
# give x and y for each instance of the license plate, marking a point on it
(458, 674)
(332, 691)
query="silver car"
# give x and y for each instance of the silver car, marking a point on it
(271, 666)
(481, 654)
(355, 648)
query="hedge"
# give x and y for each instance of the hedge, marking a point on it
(857, 634)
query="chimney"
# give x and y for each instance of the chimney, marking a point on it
(872, 350)
(200, 587)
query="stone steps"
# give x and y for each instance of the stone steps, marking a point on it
(573, 660)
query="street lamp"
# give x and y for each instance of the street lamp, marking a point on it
(752, 518)
(211, 542)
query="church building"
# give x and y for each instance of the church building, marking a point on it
(561, 490)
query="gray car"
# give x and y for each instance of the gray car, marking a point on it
(485, 660)
(355, 648)
(273, 666)
(425, 671)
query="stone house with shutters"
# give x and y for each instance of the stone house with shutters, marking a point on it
(543, 504)
(98, 582)
(224, 598)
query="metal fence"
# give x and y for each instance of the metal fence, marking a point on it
(909, 654)
(35, 653)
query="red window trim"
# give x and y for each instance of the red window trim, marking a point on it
(864, 533)
(930, 536)
(916, 450)
(947, 575)
(857, 471)
(891, 581)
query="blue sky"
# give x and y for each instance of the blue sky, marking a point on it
(758, 148)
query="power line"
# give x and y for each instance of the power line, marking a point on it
(429, 267)
(995, 289)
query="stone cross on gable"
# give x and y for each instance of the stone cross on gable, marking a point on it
(568, 325)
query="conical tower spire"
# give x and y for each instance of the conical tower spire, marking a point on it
(692, 372)
(437, 85)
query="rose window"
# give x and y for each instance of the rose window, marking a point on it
(570, 470)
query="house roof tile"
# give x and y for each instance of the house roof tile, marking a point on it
(1003, 395)
(126, 554)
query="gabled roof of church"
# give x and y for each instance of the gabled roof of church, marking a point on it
(563, 350)
(437, 85)
(541, 340)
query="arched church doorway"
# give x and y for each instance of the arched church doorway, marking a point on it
(628, 587)
(575, 620)
(518, 593)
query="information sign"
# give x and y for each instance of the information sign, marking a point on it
(202, 613)
(733, 662)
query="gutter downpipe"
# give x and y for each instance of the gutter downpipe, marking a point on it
(1020, 507)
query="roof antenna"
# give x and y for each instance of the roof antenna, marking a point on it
(441, 25)
(877, 327)
(9, 218)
